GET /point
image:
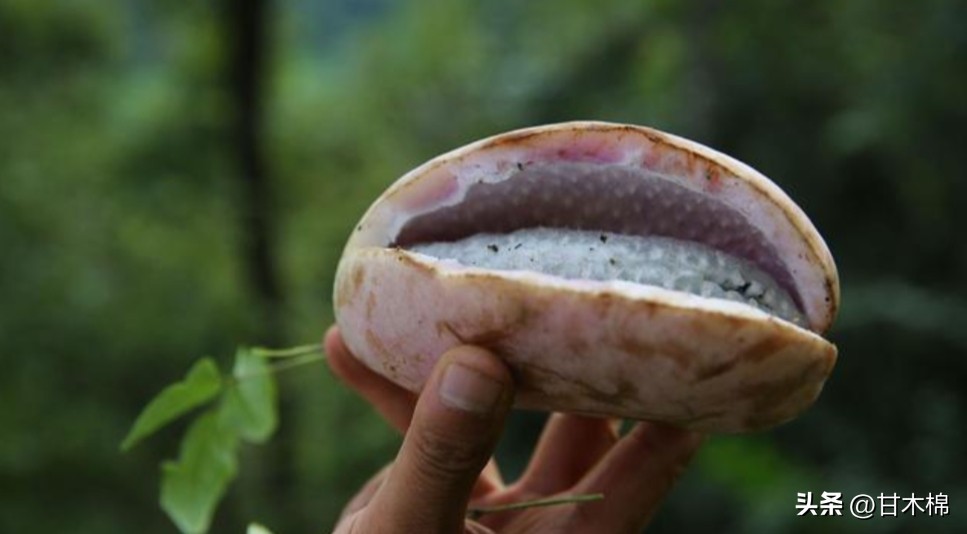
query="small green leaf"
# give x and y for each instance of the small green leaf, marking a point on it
(202, 384)
(250, 405)
(192, 486)
(255, 528)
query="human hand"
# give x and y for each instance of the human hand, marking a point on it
(451, 430)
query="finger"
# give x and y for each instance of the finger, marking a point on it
(455, 427)
(393, 402)
(490, 480)
(635, 476)
(361, 499)
(569, 447)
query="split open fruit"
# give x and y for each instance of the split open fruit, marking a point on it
(618, 270)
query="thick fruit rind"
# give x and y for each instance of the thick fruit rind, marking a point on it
(607, 348)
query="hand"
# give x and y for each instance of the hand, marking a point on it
(445, 462)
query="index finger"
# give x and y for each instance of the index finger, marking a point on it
(635, 476)
(393, 402)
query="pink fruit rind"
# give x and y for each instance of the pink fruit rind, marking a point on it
(609, 348)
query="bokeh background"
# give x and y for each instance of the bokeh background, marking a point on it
(177, 178)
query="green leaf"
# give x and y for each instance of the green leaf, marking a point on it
(202, 384)
(255, 528)
(192, 486)
(250, 404)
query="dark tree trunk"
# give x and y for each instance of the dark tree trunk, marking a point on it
(267, 482)
(248, 22)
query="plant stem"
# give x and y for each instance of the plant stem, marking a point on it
(476, 512)
(289, 352)
(296, 361)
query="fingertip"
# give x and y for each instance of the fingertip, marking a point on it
(695, 439)
(342, 363)
(659, 440)
(475, 380)
(332, 340)
(664, 436)
(480, 360)
(335, 350)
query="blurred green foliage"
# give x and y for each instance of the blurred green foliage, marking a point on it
(124, 256)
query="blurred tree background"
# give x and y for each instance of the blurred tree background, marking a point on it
(177, 178)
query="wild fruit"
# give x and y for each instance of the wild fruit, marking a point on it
(618, 270)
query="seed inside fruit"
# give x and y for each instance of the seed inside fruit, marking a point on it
(650, 260)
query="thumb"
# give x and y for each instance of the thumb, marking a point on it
(454, 430)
